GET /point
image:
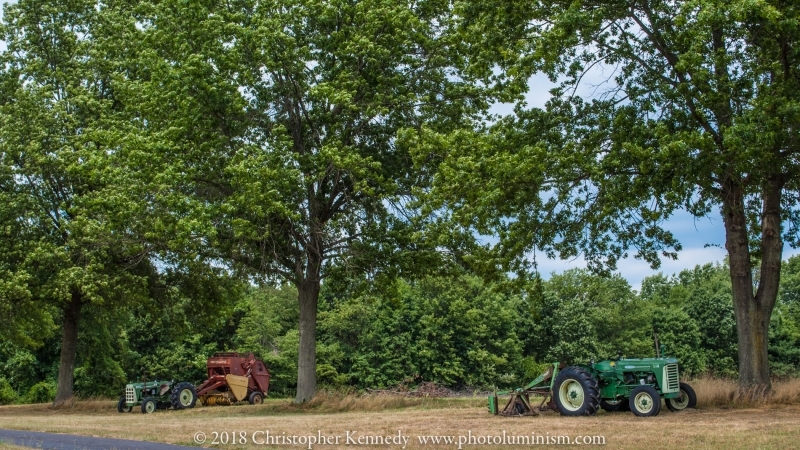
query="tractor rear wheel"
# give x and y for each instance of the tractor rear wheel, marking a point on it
(256, 398)
(687, 399)
(576, 392)
(149, 405)
(645, 401)
(183, 396)
(122, 406)
(615, 405)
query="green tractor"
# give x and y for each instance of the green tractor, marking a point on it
(153, 395)
(635, 384)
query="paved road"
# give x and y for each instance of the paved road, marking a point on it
(52, 441)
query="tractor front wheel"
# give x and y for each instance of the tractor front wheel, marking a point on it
(687, 399)
(576, 392)
(149, 405)
(256, 398)
(645, 401)
(183, 396)
(122, 406)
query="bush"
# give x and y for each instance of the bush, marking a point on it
(7, 394)
(43, 392)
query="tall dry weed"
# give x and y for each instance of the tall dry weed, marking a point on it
(333, 402)
(725, 393)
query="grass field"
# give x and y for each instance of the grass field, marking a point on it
(720, 422)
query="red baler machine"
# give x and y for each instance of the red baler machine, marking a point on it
(233, 378)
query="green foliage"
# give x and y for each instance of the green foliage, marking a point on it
(268, 328)
(704, 294)
(42, 392)
(784, 336)
(7, 394)
(268, 314)
(584, 316)
(457, 332)
(681, 336)
(784, 342)
(20, 370)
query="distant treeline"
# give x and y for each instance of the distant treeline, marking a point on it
(455, 330)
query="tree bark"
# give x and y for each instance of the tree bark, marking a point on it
(753, 310)
(308, 293)
(69, 347)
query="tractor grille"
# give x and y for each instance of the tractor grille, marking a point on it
(130, 394)
(671, 382)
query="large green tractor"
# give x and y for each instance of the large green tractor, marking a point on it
(635, 384)
(153, 395)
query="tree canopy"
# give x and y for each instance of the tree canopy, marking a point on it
(281, 121)
(697, 114)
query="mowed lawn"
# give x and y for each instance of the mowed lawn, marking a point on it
(766, 427)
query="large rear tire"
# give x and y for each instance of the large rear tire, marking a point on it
(183, 396)
(576, 392)
(645, 401)
(687, 399)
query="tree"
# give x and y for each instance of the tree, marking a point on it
(283, 119)
(70, 224)
(78, 229)
(699, 114)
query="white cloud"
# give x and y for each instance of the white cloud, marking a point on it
(635, 270)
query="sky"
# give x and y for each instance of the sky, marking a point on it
(693, 234)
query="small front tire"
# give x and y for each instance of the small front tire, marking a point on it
(256, 398)
(122, 406)
(645, 401)
(149, 406)
(687, 399)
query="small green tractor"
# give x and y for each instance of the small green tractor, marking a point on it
(153, 395)
(635, 384)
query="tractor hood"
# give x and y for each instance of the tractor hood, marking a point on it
(635, 364)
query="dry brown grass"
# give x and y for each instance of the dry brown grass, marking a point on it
(770, 427)
(725, 393)
(334, 402)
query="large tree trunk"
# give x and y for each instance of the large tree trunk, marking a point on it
(308, 293)
(69, 347)
(753, 310)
